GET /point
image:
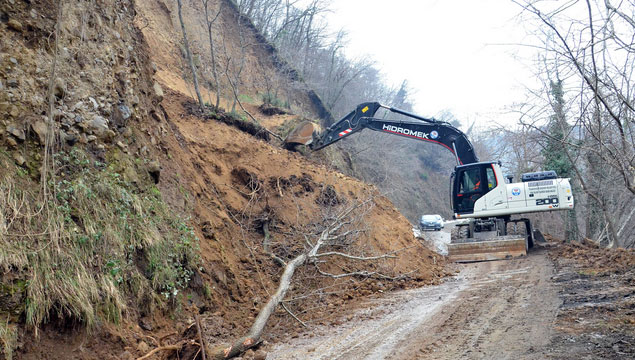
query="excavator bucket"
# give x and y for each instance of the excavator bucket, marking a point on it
(301, 135)
(499, 248)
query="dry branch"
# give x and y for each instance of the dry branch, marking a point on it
(335, 226)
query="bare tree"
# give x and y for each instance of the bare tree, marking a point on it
(209, 22)
(188, 55)
(586, 45)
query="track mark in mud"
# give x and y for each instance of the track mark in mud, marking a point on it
(376, 330)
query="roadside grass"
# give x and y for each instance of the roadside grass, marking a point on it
(93, 245)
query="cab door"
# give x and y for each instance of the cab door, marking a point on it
(496, 195)
(469, 187)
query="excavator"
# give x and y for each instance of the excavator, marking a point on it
(481, 196)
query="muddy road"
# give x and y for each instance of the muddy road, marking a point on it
(490, 310)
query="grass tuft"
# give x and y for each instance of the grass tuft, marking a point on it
(97, 244)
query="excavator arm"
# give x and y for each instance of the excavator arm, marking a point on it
(419, 128)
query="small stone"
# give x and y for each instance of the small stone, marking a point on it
(158, 91)
(154, 169)
(91, 138)
(59, 88)
(125, 111)
(143, 347)
(94, 102)
(13, 83)
(146, 324)
(14, 24)
(70, 139)
(153, 65)
(14, 111)
(121, 145)
(78, 105)
(41, 130)
(19, 159)
(15, 131)
(1, 86)
(65, 54)
(11, 142)
(13, 60)
(99, 125)
(260, 355)
(249, 354)
(126, 355)
(33, 14)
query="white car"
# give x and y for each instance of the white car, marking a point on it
(431, 222)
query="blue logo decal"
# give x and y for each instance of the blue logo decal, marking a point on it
(434, 134)
(516, 191)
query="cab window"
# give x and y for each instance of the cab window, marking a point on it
(470, 181)
(491, 178)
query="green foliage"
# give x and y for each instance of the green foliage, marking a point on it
(244, 98)
(237, 116)
(271, 99)
(555, 151)
(558, 154)
(102, 243)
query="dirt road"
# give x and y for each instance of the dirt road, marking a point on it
(490, 310)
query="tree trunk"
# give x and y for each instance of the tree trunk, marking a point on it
(188, 54)
(210, 23)
(253, 337)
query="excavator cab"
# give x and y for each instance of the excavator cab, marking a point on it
(470, 183)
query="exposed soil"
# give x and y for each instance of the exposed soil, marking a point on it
(542, 306)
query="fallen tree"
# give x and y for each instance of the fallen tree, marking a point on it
(342, 227)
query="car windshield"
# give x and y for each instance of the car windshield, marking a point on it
(430, 218)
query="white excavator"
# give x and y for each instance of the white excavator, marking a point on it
(479, 191)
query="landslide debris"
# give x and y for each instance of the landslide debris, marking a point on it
(597, 316)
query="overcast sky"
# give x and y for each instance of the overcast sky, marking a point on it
(459, 55)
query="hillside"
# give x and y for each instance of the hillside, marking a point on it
(124, 215)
